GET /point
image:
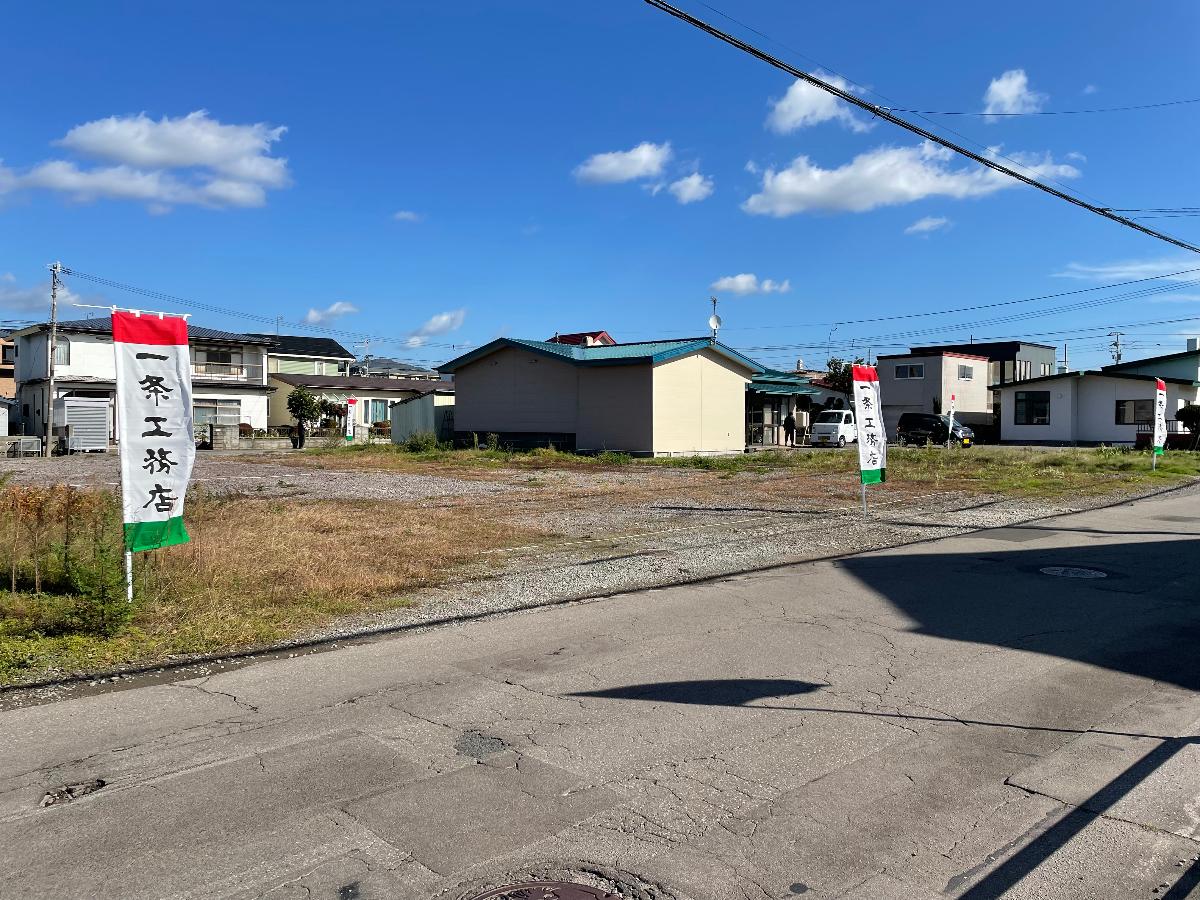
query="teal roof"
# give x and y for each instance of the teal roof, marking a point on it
(773, 381)
(611, 355)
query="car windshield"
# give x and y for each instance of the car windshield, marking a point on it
(829, 418)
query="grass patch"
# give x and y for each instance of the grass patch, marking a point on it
(257, 570)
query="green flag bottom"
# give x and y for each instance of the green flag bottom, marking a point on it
(874, 476)
(152, 535)
(1158, 451)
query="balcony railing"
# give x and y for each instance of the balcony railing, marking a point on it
(1174, 426)
(210, 371)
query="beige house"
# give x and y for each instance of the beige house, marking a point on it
(375, 394)
(925, 382)
(657, 398)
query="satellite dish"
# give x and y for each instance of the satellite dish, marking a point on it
(714, 321)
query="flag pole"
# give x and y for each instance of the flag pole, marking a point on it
(864, 496)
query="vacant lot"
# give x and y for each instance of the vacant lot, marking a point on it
(296, 545)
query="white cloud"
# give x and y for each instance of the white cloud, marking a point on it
(927, 224)
(192, 159)
(751, 167)
(692, 188)
(407, 215)
(646, 160)
(333, 311)
(748, 283)
(442, 323)
(886, 176)
(1133, 269)
(1090, 89)
(1076, 156)
(8, 277)
(805, 105)
(1010, 93)
(1175, 298)
(35, 299)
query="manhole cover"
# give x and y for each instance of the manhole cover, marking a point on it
(1073, 572)
(546, 890)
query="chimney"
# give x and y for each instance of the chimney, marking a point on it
(1193, 345)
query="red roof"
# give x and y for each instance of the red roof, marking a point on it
(584, 339)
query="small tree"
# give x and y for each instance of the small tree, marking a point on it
(304, 408)
(1189, 417)
(841, 374)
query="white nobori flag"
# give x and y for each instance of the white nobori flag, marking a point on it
(154, 414)
(1160, 416)
(868, 419)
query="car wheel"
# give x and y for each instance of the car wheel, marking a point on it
(842, 441)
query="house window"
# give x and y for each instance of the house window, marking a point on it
(910, 371)
(62, 352)
(1134, 412)
(217, 412)
(1032, 408)
(8, 353)
(378, 411)
(966, 373)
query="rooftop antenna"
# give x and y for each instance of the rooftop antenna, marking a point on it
(714, 321)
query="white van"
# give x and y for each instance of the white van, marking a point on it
(834, 428)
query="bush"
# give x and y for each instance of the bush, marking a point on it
(1189, 416)
(492, 441)
(65, 550)
(614, 459)
(420, 442)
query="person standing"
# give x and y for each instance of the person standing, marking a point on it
(789, 430)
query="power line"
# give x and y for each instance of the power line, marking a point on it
(1053, 112)
(242, 314)
(883, 113)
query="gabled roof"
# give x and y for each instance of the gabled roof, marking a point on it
(302, 345)
(773, 381)
(615, 355)
(582, 338)
(103, 325)
(1137, 363)
(1100, 373)
(365, 383)
(386, 364)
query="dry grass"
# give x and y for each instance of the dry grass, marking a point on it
(257, 571)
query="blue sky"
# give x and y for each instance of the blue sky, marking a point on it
(256, 158)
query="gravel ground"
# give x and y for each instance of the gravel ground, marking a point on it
(626, 530)
(225, 474)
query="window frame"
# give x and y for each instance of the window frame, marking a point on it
(1146, 405)
(966, 372)
(909, 368)
(62, 351)
(1022, 401)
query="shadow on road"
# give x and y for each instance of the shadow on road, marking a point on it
(713, 692)
(1142, 618)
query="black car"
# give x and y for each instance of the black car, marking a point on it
(929, 428)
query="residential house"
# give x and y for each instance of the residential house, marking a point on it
(8, 358)
(926, 381)
(1008, 361)
(300, 355)
(229, 379)
(374, 394)
(1110, 405)
(653, 398)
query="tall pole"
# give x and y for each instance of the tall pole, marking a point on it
(55, 268)
(1116, 345)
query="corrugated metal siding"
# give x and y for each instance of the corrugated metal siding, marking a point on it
(516, 391)
(616, 409)
(298, 366)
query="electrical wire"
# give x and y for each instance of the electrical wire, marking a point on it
(883, 113)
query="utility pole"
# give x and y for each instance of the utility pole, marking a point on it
(1116, 345)
(278, 322)
(1066, 357)
(55, 268)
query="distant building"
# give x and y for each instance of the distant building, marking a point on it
(654, 398)
(300, 355)
(382, 367)
(584, 339)
(229, 377)
(374, 394)
(8, 359)
(1008, 361)
(1110, 405)
(926, 379)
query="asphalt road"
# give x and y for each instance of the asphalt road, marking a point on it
(945, 719)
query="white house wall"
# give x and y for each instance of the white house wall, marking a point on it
(699, 405)
(973, 403)
(1061, 428)
(901, 395)
(1187, 368)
